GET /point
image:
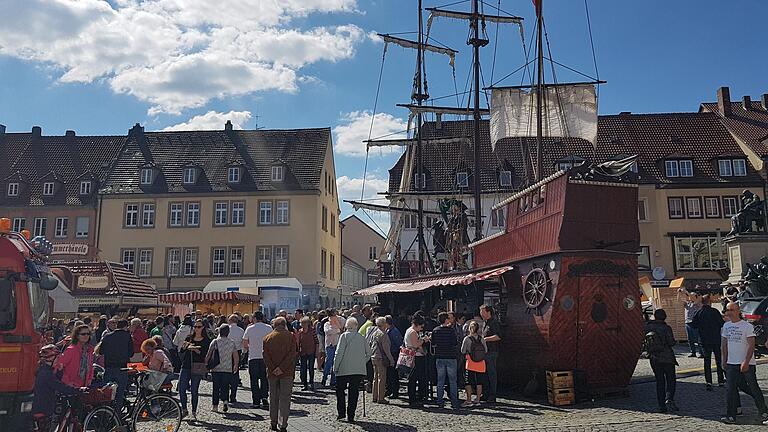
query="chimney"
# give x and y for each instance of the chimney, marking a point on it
(2, 129)
(763, 102)
(69, 133)
(746, 103)
(438, 121)
(136, 131)
(37, 131)
(228, 126)
(724, 101)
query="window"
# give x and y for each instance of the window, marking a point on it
(283, 213)
(281, 260)
(410, 221)
(277, 173)
(498, 217)
(730, 206)
(264, 265)
(238, 213)
(235, 261)
(333, 224)
(193, 215)
(85, 187)
(672, 168)
(48, 188)
(190, 174)
(712, 207)
(146, 176)
(505, 178)
(332, 265)
(61, 227)
(693, 205)
(145, 263)
(148, 215)
(219, 257)
(174, 260)
(190, 262)
(129, 259)
(699, 253)
(82, 226)
(642, 210)
(220, 213)
(686, 168)
(19, 224)
(325, 219)
(462, 180)
(675, 208)
(323, 268)
(644, 258)
(265, 212)
(372, 253)
(423, 181)
(233, 175)
(175, 212)
(739, 167)
(131, 215)
(40, 226)
(726, 167)
(13, 189)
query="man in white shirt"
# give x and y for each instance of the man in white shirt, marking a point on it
(253, 341)
(738, 346)
(333, 329)
(235, 335)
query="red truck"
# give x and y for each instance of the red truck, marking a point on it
(24, 314)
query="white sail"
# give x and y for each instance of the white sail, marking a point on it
(568, 111)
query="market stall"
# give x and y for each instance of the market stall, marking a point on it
(218, 303)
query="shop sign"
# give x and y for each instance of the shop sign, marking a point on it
(92, 282)
(85, 302)
(70, 249)
(139, 301)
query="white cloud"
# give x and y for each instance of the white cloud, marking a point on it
(177, 54)
(213, 120)
(355, 128)
(349, 189)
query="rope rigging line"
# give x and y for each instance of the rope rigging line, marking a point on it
(495, 46)
(373, 119)
(594, 55)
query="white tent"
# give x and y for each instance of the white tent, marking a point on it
(63, 300)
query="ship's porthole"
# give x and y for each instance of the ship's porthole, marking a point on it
(567, 303)
(629, 303)
(599, 311)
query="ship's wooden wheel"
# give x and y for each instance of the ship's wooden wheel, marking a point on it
(535, 288)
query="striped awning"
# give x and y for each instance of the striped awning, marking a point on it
(421, 284)
(199, 296)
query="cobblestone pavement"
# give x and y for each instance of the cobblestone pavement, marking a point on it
(315, 411)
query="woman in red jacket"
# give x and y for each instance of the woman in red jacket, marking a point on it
(76, 362)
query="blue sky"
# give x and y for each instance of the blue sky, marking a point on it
(99, 67)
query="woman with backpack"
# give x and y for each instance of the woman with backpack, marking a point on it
(660, 342)
(474, 349)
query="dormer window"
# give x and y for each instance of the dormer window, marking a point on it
(13, 189)
(505, 178)
(147, 175)
(732, 167)
(278, 173)
(462, 179)
(233, 175)
(85, 187)
(190, 175)
(48, 188)
(423, 184)
(679, 168)
(569, 162)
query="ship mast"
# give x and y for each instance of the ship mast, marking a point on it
(476, 41)
(539, 88)
(420, 98)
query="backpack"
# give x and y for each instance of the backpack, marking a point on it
(476, 350)
(654, 344)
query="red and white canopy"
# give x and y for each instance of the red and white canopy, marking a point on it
(423, 283)
(199, 296)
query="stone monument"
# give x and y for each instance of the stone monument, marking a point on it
(747, 242)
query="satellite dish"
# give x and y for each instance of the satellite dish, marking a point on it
(659, 273)
(323, 292)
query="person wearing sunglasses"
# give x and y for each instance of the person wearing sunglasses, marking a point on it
(193, 368)
(76, 362)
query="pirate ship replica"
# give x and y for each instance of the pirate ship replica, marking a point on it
(563, 270)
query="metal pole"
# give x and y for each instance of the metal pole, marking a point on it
(476, 119)
(539, 89)
(419, 119)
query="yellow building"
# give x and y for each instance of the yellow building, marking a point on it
(182, 209)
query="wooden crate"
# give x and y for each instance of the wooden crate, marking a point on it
(559, 380)
(561, 397)
(666, 298)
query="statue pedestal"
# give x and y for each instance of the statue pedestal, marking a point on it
(744, 249)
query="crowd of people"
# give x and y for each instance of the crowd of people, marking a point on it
(354, 350)
(725, 335)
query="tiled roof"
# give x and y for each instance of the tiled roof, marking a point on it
(31, 159)
(749, 125)
(300, 151)
(654, 137)
(121, 281)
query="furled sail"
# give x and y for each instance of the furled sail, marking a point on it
(501, 19)
(405, 43)
(568, 111)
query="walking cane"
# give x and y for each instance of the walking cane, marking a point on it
(364, 393)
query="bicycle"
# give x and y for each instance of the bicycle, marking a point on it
(89, 412)
(153, 409)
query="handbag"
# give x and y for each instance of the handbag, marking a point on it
(474, 366)
(198, 369)
(405, 361)
(214, 359)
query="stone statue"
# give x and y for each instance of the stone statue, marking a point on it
(757, 278)
(751, 214)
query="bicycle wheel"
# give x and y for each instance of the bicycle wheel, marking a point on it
(157, 413)
(101, 419)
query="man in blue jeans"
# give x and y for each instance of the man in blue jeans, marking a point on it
(492, 335)
(445, 345)
(117, 349)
